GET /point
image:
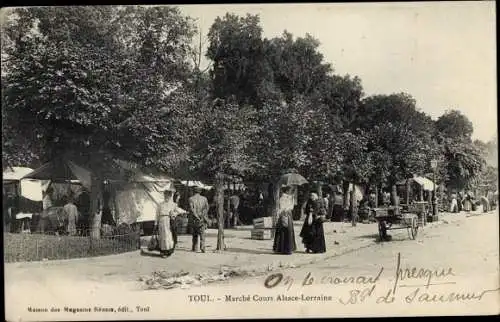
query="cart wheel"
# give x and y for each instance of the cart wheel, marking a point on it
(414, 228)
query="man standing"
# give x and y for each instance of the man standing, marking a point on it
(83, 206)
(72, 215)
(198, 205)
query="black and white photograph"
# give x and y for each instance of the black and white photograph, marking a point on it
(237, 161)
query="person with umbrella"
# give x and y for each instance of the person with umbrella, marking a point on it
(284, 238)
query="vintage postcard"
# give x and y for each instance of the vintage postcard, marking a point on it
(250, 161)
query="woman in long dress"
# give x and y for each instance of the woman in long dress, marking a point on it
(312, 233)
(284, 238)
(467, 203)
(167, 210)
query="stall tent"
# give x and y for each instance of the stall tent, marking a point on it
(137, 199)
(28, 190)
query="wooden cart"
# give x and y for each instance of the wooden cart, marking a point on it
(390, 219)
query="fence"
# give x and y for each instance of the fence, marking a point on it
(39, 247)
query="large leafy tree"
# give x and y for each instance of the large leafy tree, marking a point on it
(237, 50)
(297, 65)
(99, 82)
(223, 149)
(401, 138)
(464, 160)
(454, 124)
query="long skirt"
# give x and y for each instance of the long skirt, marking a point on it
(313, 237)
(165, 237)
(486, 204)
(338, 213)
(467, 205)
(284, 238)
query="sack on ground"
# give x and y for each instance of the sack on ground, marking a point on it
(154, 244)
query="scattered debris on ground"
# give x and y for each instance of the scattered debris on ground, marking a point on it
(165, 280)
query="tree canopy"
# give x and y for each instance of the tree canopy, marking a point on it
(100, 79)
(119, 82)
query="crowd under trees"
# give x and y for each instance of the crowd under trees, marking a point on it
(96, 83)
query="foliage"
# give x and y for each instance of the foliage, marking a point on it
(225, 134)
(81, 81)
(454, 124)
(98, 83)
(237, 51)
(297, 65)
(464, 161)
(401, 140)
(401, 149)
(343, 96)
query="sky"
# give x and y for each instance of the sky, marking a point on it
(442, 53)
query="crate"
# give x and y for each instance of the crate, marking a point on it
(432, 218)
(263, 222)
(261, 234)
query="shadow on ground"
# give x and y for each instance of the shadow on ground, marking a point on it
(259, 251)
(150, 253)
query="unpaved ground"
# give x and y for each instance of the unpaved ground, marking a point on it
(466, 244)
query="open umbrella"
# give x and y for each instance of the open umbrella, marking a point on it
(292, 179)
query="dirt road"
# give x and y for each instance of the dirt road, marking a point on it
(450, 269)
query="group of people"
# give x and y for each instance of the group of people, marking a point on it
(467, 202)
(75, 209)
(165, 221)
(312, 233)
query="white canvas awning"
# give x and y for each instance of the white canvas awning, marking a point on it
(426, 184)
(196, 184)
(15, 173)
(29, 188)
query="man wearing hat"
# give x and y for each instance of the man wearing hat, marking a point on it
(198, 205)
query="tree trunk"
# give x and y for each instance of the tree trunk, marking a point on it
(319, 189)
(441, 196)
(353, 206)
(96, 203)
(276, 202)
(408, 187)
(394, 197)
(421, 193)
(219, 202)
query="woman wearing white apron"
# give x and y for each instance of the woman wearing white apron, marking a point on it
(167, 210)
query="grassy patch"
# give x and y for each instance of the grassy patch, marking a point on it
(38, 247)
